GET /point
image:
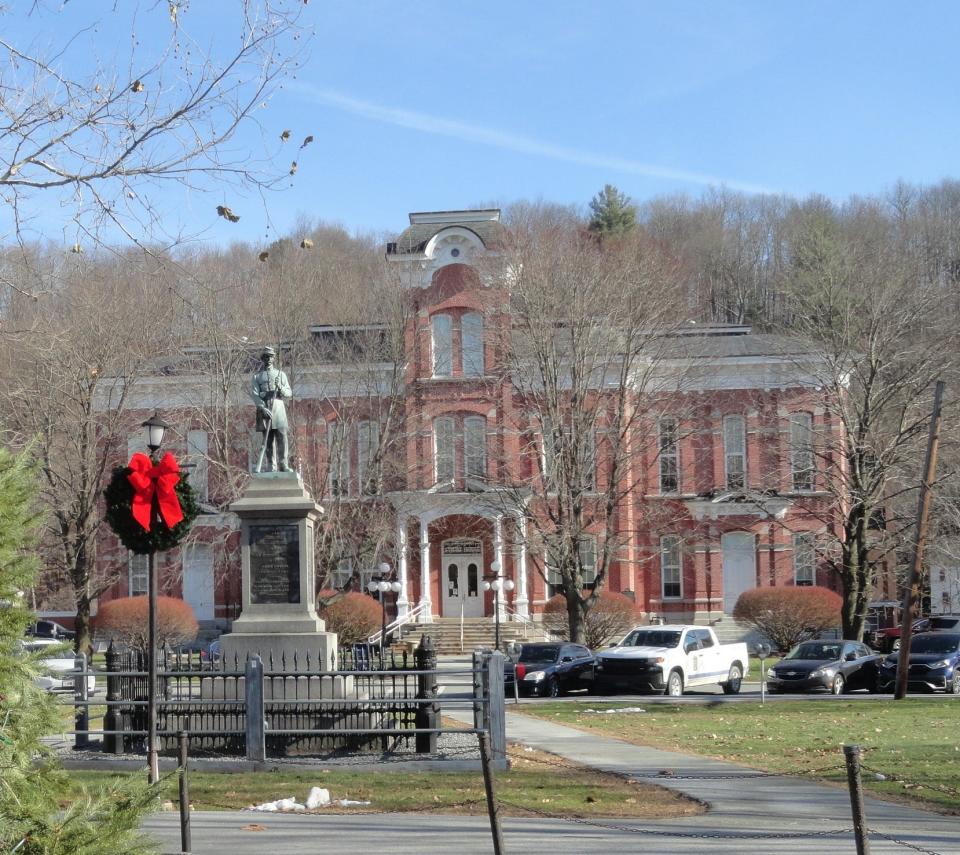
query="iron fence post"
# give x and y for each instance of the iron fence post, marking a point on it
(112, 742)
(496, 709)
(253, 689)
(428, 711)
(851, 754)
(81, 718)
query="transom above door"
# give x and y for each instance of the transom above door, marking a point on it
(460, 576)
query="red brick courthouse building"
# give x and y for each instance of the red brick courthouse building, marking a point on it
(722, 499)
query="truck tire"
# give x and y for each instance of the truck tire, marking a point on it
(734, 679)
(674, 687)
(895, 645)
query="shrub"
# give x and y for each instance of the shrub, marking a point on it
(610, 617)
(789, 615)
(126, 621)
(353, 617)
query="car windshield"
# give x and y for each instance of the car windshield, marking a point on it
(933, 643)
(531, 653)
(651, 638)
(817, 650)
(944, 622)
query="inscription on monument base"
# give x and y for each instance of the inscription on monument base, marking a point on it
(274, 564)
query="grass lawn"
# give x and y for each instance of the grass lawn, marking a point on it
(534, 781)
(914, 743)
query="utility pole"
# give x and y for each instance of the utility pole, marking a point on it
(911, 590)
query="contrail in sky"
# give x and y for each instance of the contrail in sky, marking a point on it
(512, 142)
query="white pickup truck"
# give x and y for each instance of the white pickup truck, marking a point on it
(670, 659)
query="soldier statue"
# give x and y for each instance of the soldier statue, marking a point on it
(268, 389)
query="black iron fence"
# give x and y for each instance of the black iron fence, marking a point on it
(279, 708)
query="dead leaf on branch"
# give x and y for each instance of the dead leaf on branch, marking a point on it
(293, 168)
(307, 140)
(173, 12)
(306, 243)
(263, 256)
(285, 136)
(227, 214)
(136, 86)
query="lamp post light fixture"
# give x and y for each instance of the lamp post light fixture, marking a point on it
(383, 584)
(156, 427)
(496, 583)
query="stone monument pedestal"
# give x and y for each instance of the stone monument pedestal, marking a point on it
(278, 618)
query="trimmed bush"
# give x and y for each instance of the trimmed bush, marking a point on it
(789, 615)
(353, 617)
(611, 616)
(126, 621)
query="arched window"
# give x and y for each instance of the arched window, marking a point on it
(802, 462)
(444, 453)
(441, 331)
(475, 447)
(471, 331)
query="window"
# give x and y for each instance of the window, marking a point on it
(343, 574)
(442, 345)
(475, 447)
(669, 458)
(734, 452)
(804, 559)
(554, 582)
(198, 463)
(368, 438)
(136, 442)
(138, 570)
(559, 448)
(338, 460)
(670, 567)
(444, 454)
(587, 549)
(471, 337)
(802, 462)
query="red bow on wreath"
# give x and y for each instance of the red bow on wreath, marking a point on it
(147, 479)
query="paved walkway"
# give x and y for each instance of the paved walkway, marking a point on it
(748, 813)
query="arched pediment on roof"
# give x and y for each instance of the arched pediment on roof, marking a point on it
(453, 245)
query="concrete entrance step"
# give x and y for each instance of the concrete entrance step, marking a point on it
(476, 632)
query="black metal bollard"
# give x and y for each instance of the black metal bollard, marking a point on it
(428, 712)
(81, 717)
(182, 760)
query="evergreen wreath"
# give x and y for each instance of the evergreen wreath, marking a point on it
(119, 516)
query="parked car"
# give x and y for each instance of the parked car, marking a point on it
(944, 622)
(549, 669)
(59, 665)
(934, 664)
(671, 658)
(888, 640)
(50, 629)
(828, 665)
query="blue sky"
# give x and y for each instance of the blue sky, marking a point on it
(434, 105)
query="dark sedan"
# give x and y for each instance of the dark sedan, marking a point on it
(549, 669)
(934, 664)
(832, 666)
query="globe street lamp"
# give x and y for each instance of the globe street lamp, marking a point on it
(156, 427)
(382, 584)
(496, 583)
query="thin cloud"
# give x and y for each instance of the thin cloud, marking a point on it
(511, 142)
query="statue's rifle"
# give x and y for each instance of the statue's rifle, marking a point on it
(266, 435)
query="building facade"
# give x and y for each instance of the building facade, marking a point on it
(426, 459)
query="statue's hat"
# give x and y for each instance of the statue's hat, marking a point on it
(268, 351)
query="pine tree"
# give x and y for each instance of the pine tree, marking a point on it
(613, 212)
(39, 814)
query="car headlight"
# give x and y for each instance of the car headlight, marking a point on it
(943, 663)
(771, 674)
(822, 672)
(889, 663)
(535, 676)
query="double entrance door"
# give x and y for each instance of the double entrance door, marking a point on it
(460, 577)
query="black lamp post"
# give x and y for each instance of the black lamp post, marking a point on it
(156, 428)
(383, 584)
(496, 583)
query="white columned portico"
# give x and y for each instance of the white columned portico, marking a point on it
(523, 601)
(426, 615)
(499, 594)
(403, 599)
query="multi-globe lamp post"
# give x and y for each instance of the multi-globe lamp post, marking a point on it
(496, 583)
(156, 428)
(382, 584)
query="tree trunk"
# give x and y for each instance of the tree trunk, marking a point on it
(83, 640)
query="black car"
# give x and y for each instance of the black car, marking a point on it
(833, 666)
(934, 664)
(49, 629)
(549, 669)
